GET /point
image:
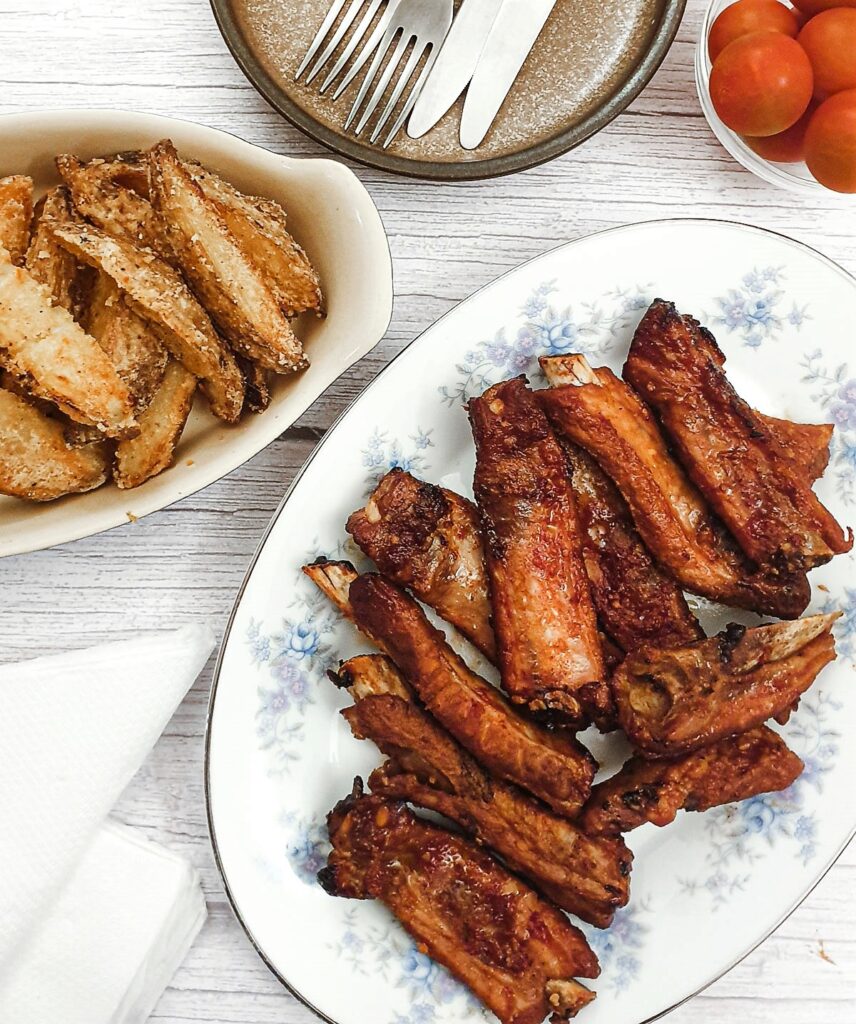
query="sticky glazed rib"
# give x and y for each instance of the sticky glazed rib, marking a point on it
(543, 617)
(427, 539)
(587, 877)
(515, 951)
(736, 768)
(671, 702)
(636, 602)
(607, 418)
(737, 462)
(551, 765)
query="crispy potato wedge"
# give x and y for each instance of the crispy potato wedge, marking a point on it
(259, 225)
(257, 393)
(21, 386)
(35, 462)
(226, 281)
(156, 292)
(129, 169)
(99, 195)
(137, 352)
(16, 213)
(41, 343)
(132, 345)
(48, 262)
(161, 425)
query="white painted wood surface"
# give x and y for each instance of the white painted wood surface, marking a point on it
(657, 160)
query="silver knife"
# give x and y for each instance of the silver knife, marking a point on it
(455, 64)
(513, 35)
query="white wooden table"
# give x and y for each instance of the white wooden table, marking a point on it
(658, 159)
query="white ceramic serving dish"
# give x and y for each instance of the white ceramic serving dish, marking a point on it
(705, 890)
(792, 177)
(332, 217)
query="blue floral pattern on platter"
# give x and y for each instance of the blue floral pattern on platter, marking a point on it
(294, 658)
(618, 947)
(834, 390)
(740, 833)
(754, 309)
(546, 331)
(380, 454)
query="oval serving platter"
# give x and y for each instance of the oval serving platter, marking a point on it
(590, 62)
(705, 890)
(331, 215)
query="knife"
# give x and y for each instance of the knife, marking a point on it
(512, 36)
(455, 64)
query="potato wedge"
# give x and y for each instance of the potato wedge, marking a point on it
(132, 345)
(257, 393)
(16, 213)
(41, 343)
(116, 209)
(48, 262)
(156, 292)
(21, 386)
(259, 225)
(35, 462)
(229, 285)
(129, 169)
(161, 425)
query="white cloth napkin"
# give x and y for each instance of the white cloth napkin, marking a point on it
(74, 729)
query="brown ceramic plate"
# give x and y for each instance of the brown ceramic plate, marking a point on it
(592, 59)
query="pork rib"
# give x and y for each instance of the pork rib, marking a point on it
(637, 603)
(737, 462)
(516, 952)
(546, 628)
(736, 768)
(674, 701)
(427, 539)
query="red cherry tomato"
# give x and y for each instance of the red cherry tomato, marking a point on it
(745, 16)
(761, 83)
(829, 39)
(830, 142)
(788, 147)
(811, 7)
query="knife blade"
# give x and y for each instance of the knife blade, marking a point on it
(455, 64)
(517, 26)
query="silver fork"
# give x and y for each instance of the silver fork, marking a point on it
(422, 23)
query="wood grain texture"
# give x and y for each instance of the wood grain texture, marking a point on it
(659, 159)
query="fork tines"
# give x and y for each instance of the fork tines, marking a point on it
(415, 25)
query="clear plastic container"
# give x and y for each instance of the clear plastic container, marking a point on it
(793, 177)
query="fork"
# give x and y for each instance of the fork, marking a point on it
(424, 23)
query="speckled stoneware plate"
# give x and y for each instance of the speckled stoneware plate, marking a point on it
(592, 59)
(704, 890)
(330, 214)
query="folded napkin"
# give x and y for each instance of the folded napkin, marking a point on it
(100, 917)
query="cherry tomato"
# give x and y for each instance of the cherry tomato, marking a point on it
(830, 142)
(747, 16)
(788, 147)
(829, 39)
(761, 83)
(812, 7)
